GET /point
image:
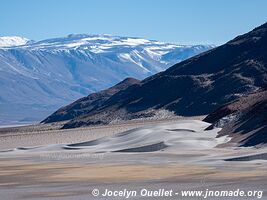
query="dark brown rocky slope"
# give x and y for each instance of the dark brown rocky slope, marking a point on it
(245, 120)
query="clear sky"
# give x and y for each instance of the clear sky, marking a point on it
(177, 21)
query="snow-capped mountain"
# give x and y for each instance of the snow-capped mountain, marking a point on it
(9, 41)
(38, 77)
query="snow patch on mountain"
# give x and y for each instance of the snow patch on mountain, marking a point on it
(9, 41)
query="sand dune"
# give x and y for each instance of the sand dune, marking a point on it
(184, 134)
(168, 141)
(181, 135)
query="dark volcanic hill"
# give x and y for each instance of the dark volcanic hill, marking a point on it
(84, 105)
(196, 86)
(245, 120)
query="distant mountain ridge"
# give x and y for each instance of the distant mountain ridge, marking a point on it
(196, 86)
(37, 78)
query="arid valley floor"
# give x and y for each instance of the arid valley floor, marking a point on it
(43, 162)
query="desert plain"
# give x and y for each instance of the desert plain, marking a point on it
(46, 162)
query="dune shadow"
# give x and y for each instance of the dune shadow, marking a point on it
(84, 144)
(147, 148)
(262, 156)
(178, 129)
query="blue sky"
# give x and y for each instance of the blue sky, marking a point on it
(177, 21)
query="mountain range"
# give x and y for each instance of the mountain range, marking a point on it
(38, 77)
(229, 82)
